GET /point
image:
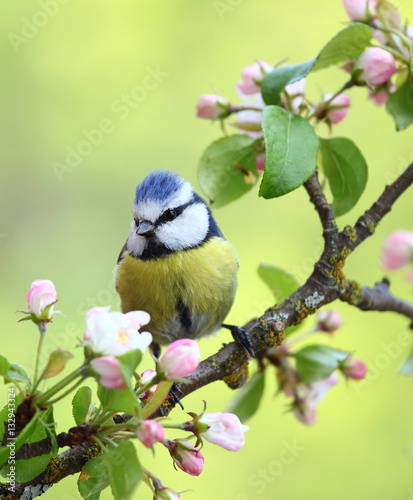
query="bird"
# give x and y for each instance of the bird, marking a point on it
(176, 264)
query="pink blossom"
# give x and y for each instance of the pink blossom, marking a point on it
(379, 97)
(145, 377)
(305, 411)
(108, 369)
(295, 92)
(212, 107)
(379, 35)
(180, 359)
(397, 249)
(409, 277)
(316, 391)
(304, 406)
(114, 333)
(150, 432)
(337, 108)
(260, 162)
(249, 121)
(377, 66)
(186, 456)
(329, 321)
(252, 77)
(354, 369)
(40, 299)
(360, 10)
(224, 429)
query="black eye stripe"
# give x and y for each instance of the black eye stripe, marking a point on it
(166, 216)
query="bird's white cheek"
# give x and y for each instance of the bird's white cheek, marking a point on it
(188, 230)
(136, 244)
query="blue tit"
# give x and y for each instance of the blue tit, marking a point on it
(176, 263)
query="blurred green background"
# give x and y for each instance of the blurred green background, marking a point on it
(70, 67)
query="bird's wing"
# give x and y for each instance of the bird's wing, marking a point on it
(120, 258)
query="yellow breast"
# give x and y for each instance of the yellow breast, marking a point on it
(187, 293)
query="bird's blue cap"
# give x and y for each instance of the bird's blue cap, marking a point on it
(159, 185)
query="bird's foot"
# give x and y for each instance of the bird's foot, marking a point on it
(174, 394)
(242, 337)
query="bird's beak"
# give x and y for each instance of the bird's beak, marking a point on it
(145, 228)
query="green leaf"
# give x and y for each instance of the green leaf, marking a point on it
(291, 152)
(4, 365)
(94, 478)
(407, 367)
(157, 398)
(16, 373)
(56, 364)
(275, 80)
(227, 169)
(15, 399)
(349, 43)
(116, 400)
(411, 58)
(125, 471)
(40, 427)
(400, 105)
(346, 171)
(281, 283)
(317, 362)
(81, 403)
(248, 398)
(122, 399)
(129, 362)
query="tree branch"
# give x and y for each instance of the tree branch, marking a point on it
(325, 284)
(378, 298)
(324, 210)
(367, 223)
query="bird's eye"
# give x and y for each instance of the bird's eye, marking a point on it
(136, 222)
(169, 215)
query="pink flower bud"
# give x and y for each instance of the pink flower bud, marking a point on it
(186, 456)
(379, 97)
(304, 406)
(145, 377)
(108, 369)
(150, 432)
(377, 66)
(397, 249)
(337, 108)
(260, 162)
(40, 300)
(328, 321)
(180, 359)
(212, 107)
(249, 121)
(166, 494)
(360, 10)
(304, 411)
(293, 95)
(354, 369)
(252, 77)
(224, 429)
